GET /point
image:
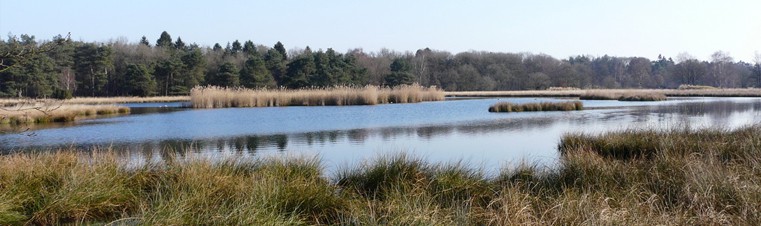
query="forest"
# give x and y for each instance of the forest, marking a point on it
(63, 68)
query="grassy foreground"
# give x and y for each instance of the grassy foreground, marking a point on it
(681, 177)
(219, 97)
(542, 106)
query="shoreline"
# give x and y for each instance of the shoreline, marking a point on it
(738, 92)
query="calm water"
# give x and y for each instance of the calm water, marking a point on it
(439, 131)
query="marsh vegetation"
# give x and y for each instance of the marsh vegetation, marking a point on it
(219, 97)
(679, 176)
(541, 106)
(623, 96)
(45, 112)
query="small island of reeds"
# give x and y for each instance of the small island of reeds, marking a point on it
(623, 96)
(46, 112)
(219, 97)
(541, 106)
(632, 177)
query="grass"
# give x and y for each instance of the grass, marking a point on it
(729, 92)
(218, 97)
(623, 96)
(631, 177)
(541, 106)
(95, 100)
(55, 112)
(685, 87)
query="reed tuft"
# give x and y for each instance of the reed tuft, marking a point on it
(542, 106)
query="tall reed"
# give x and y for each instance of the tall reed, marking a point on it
(219, 97)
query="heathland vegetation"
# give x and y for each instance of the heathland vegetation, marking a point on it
(640, 177)
(62, 68)
(220, 97)
(541, 106)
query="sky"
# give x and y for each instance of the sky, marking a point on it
(560, 28)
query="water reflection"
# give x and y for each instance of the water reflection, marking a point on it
(280, 142)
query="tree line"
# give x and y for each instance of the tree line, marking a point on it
(66, 68)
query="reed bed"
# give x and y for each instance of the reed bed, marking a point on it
(541, 106)
(631, 177)
(219, 97)
(623, 96)
(54, 112)
(735, 92)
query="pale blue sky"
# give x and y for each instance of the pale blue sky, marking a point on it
(555, 27)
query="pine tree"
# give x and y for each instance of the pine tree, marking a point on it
(255, 74)
(165, 40)
(139, 81)
(236, 48)
(276, 65)
(249, 48)
(92, 64)
(179, 44)
(144, 41)
(400, 73)
(281, 49)
(299, 71)
(227, 75)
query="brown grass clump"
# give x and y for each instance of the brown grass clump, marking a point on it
(55, 112)
(542, 106)
(219, 97)
(623, 96)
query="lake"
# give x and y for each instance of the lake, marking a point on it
(452, 130)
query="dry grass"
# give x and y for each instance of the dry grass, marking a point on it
(96, 100)
(218, 97)
(623, 96)
(561, 88)
(683, 87)
(632, 177)
(542, 106)
(55, 112)
(739, 92)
